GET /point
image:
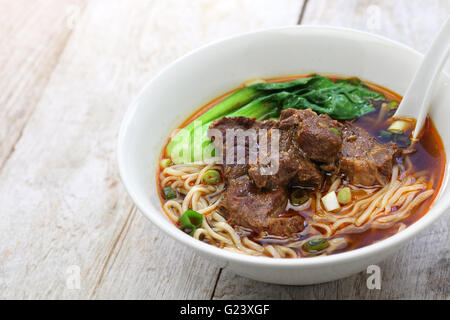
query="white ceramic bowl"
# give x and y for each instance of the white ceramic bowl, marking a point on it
(197, 78)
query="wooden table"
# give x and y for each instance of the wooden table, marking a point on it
(68, 71)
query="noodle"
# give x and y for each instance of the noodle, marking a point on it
(376, 208)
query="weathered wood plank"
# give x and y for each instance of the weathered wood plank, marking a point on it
(32, 37)
(149, 265)
(421, 269)
(412, 22)
(63, 208)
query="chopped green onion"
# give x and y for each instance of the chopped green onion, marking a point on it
(402, 140)
(386, 134)
(393, 104)
(398, 126)
(211, 177)
(164, 163)
(169, 193)
(190, 221)
(330, 201)
(316, 245)
(299, 197)
(344, 195)
(336, 130)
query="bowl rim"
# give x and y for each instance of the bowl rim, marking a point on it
(437, 209)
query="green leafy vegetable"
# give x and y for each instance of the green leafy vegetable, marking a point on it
(401, 139)
(233, 102)
(313, 82)
(393, 104)
(190, 221)
(386, 134)
(343, 99)
(186, 138)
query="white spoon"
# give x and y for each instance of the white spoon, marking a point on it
(416, 101)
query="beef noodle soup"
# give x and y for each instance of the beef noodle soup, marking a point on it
(299, 167)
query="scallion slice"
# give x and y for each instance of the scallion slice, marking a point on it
(169, 193)
(190, 221)
(298, 197)
(393, 104)
(164, 163)
(344, 195)
(386, 134)
(211, 177)
(316, 245)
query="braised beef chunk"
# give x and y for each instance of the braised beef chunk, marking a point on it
(363, 160)
(226, 123)
(309, 146)
(315, 134)
(287, 169)
(292, 164)
(233, 169)
(308, 175)
(248, 206)
(293, 168)
(304, 137)
(255, 196)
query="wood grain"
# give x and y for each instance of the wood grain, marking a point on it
(421, 269)
(33, 35)
(412, 22)
(62, 203)
(150, 273)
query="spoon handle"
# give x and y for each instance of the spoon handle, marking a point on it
(416, 101)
